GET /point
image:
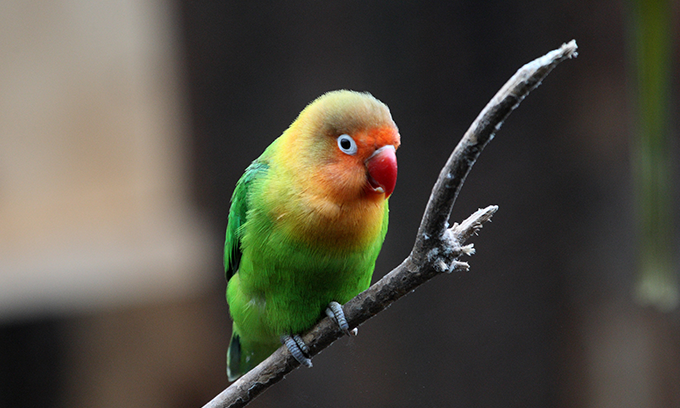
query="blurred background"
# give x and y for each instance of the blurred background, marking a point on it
(125, 125)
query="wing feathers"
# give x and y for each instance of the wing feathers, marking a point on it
(238, 214)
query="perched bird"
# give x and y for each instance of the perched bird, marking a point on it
(306, 224)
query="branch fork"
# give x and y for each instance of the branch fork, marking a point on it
(449, 247)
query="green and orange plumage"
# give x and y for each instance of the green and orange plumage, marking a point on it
(307, 221)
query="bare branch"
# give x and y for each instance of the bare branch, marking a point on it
(437, 247)
(480, 133)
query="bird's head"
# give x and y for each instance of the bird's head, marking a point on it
(347, 141)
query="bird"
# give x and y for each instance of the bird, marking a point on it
(306, 224)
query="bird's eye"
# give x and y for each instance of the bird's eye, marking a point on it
(346, 144)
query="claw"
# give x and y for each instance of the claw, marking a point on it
(297, 348)
(301, 344)
(335, 313)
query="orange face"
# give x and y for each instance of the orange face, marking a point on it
(365, 162)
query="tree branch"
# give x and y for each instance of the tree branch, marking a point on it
(437, 247)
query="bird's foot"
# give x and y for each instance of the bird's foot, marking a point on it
(297, 348)
(335, 313)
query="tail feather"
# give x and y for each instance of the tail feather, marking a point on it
(242, 357)
(234, 370)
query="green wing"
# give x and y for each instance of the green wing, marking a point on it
(238, 214)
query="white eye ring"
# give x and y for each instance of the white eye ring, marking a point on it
(347, 145)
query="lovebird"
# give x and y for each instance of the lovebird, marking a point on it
(307, 221)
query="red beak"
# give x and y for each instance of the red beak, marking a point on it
(382, 170)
